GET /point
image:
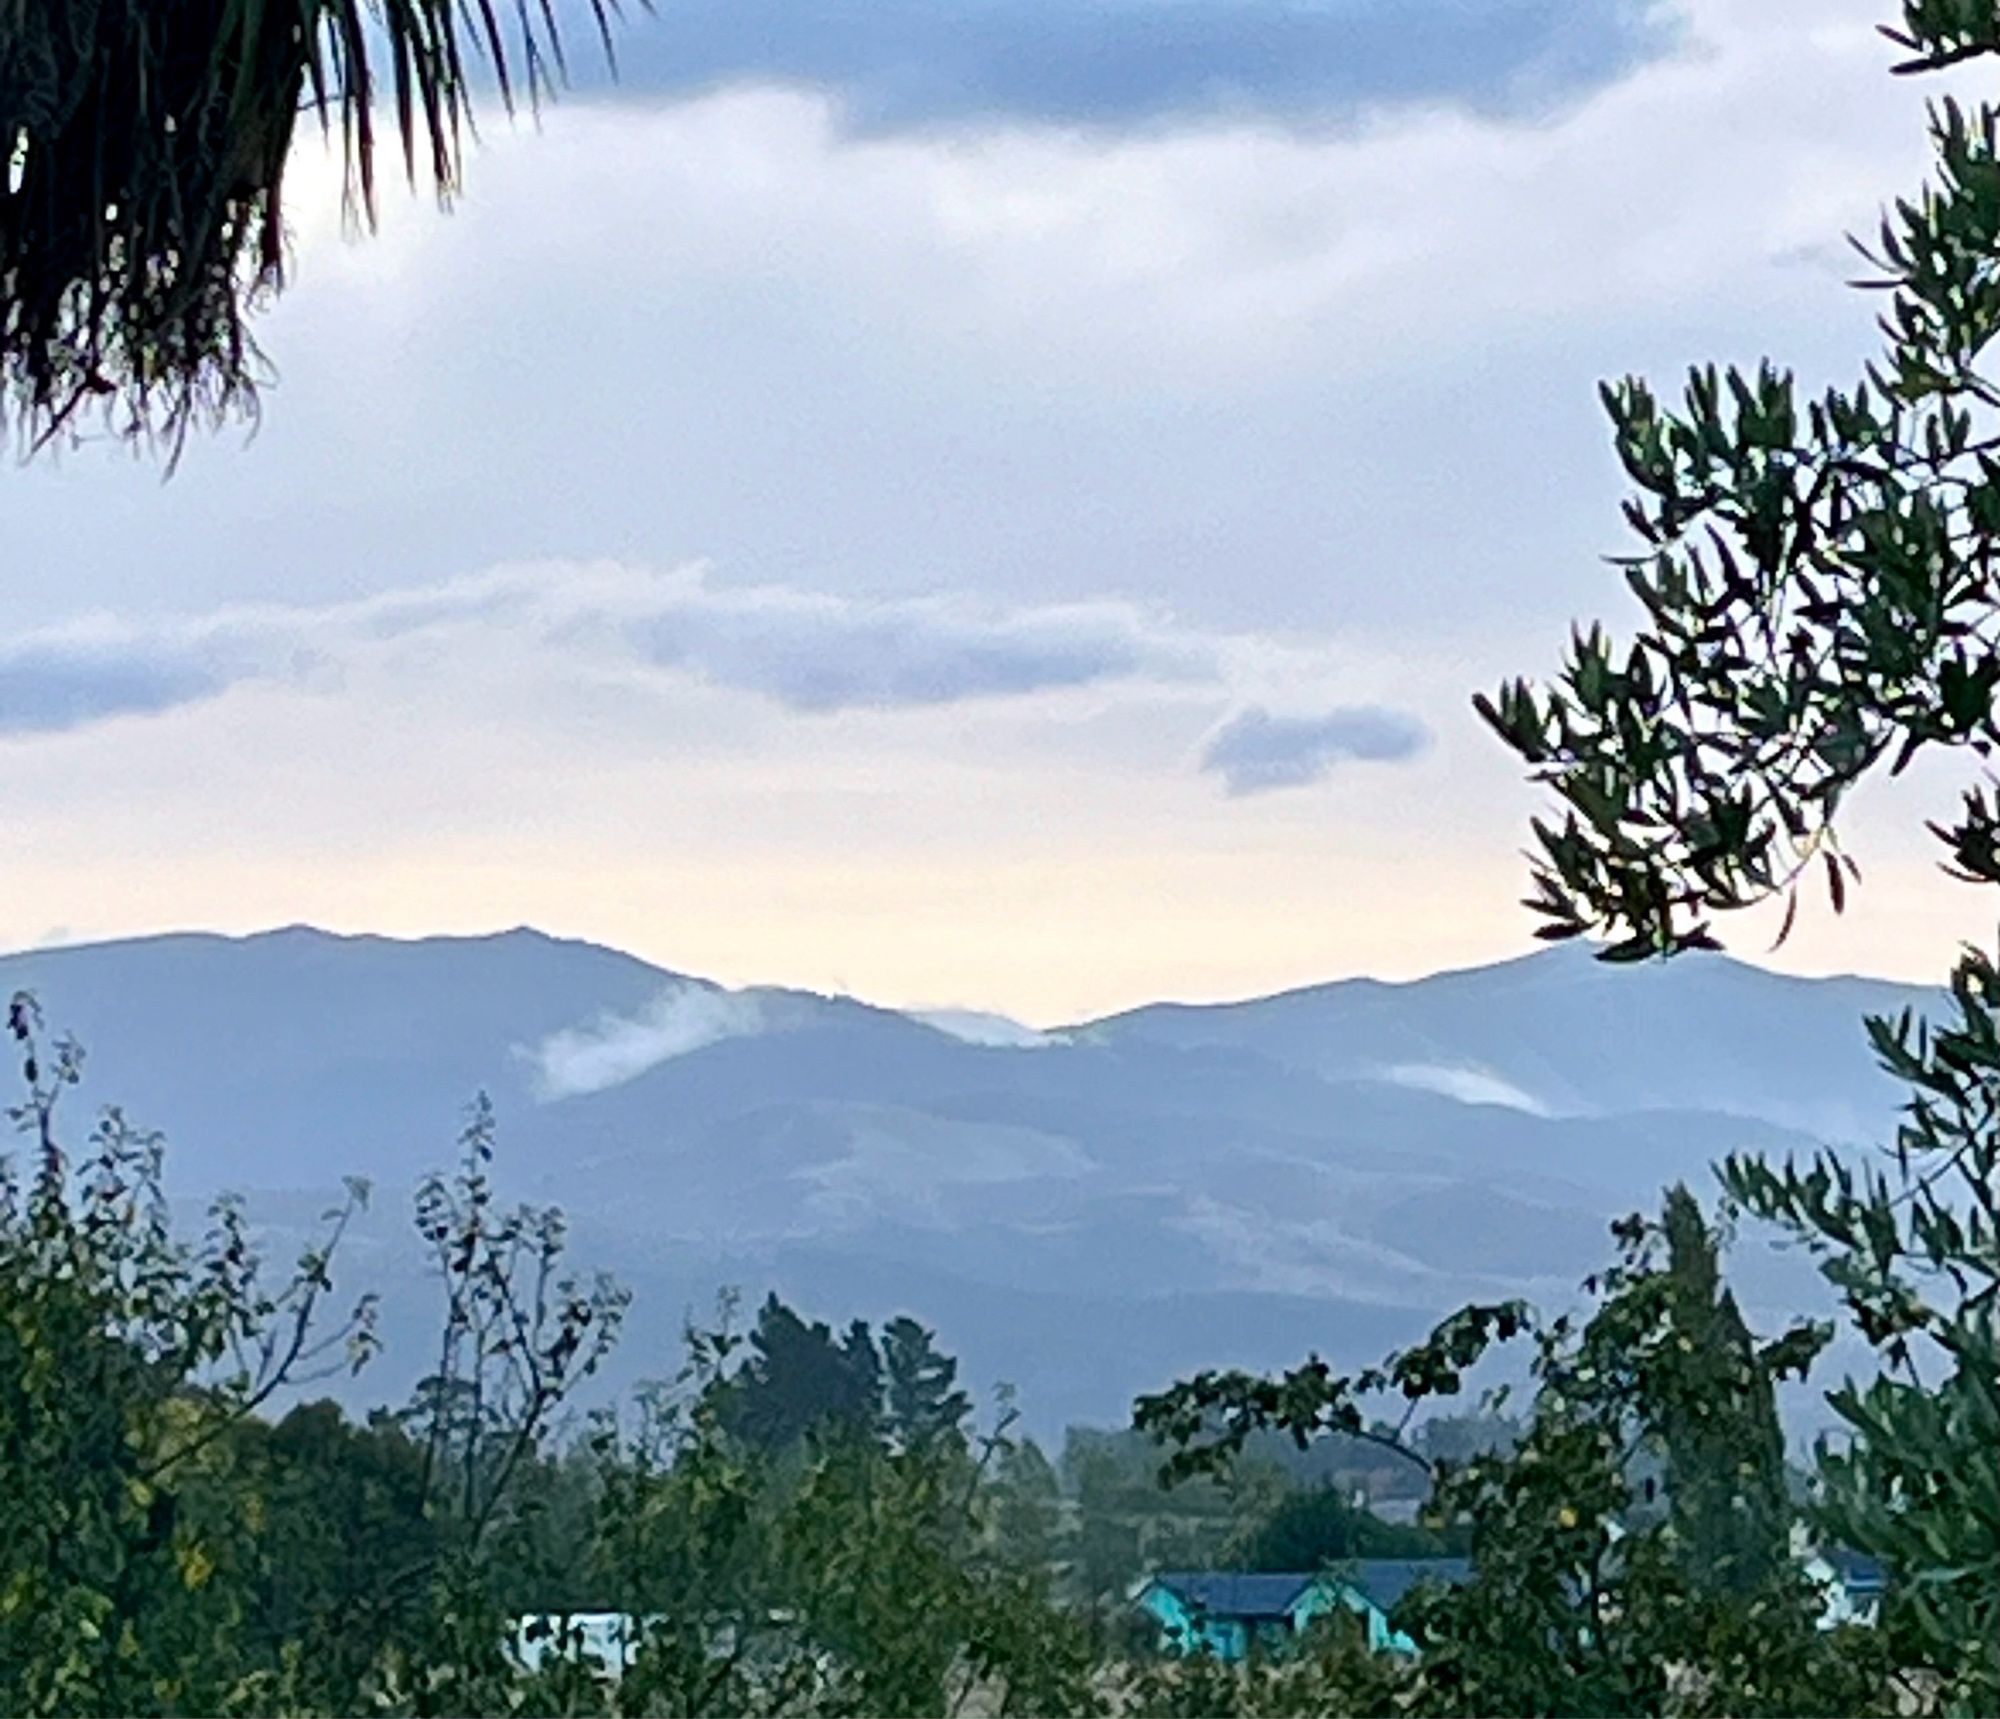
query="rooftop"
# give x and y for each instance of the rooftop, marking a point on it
(1273, 1594)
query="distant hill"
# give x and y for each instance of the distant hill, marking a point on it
(1081, 1212)
(1561, 1032)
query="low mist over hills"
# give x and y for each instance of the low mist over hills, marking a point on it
(1081, 1211)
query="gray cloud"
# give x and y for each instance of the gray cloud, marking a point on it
(52, 684)
(893, 64)
(1255, 751)
(814, 653)
(807, 651)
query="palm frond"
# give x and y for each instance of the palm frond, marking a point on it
(144, 145)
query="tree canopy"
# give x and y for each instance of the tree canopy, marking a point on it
(1820, 583)
(1820, 578)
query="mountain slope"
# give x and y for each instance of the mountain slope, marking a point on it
(1084, 1212)
(1562, 1032)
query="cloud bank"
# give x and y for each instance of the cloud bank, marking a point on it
(1255, 751)
(812, 652)
(806, 651)
(898, 64)
(613, 1049)
(51, 684)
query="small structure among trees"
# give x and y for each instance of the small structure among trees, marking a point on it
(1233, 1614)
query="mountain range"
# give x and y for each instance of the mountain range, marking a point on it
(1084, 1211)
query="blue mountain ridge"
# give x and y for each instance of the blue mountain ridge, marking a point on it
(1083, 1213)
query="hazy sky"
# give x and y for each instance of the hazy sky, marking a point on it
(975, 503)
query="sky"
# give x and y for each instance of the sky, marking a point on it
(975, 503)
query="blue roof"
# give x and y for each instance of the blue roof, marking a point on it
(1387, 1580)
(1262, 1594)
(1237, 1594)
(1858, 1572)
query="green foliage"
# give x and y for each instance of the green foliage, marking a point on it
(1331, 1676)
(1314, 1527)
(1911, 1249)
(804, 1523)
(1591, 1594)
(1126, 1525)
(127, 1358)
(1027, 1509)
(1586, 1590)
(793, 1524)
(1718, 1418)
(1210, 1418)
(519, 1333)
(922, 1400)
(165, 1549)
(800, 1379)
(857, 1570)
(341, 1548)
(1817, 577)
(172, 1551)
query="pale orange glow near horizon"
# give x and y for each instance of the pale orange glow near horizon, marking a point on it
(1047, 944)
(901, 520)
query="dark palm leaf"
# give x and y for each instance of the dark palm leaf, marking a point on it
(144, 145)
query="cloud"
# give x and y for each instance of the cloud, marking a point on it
(1335, 381)
(54, 683)
(1255, 751)
(1028, 361)
(813, 652)
(897, 64)
(612, 1049)
(982, 1027)
(807, 651)
(1467, 1084)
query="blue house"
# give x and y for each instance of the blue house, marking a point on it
(1230, 1613)
(1853, 1585)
